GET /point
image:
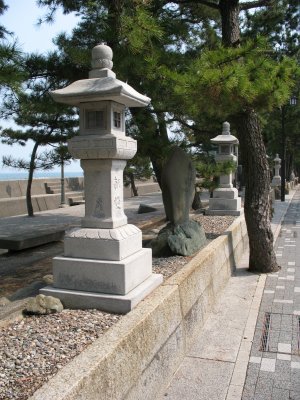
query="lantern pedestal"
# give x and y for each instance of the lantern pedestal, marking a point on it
(120, 304)
(225, 207)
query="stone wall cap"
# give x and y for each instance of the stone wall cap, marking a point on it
(98, 89)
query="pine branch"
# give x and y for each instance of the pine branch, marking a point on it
(204, 2)
(254, 4)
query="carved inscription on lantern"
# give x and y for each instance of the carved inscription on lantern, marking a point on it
(117, 201)
(117, 185)
(98, 212)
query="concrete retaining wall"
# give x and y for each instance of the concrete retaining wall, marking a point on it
(10, 189)
(13, 200)
(137, 357)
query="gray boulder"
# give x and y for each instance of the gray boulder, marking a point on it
(159, 245)
(178, 186)
(41, 305)
(187, 238)
(184, 239)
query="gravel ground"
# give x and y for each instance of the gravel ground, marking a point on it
(34, 349)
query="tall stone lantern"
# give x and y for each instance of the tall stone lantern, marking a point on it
(276, 180)
(225, 199)
(104, 265)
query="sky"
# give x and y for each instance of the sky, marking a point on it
(21, 18)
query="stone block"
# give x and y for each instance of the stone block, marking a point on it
(95, 147)
(225, 204)
(115, 303)
(102, 276)
(161, 368)
(276, 181)
(103, 244)
(31, 239)
(198, 274)
(225, 193)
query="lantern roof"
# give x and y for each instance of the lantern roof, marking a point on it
(101, 85)
(277, 159)
(225, 137)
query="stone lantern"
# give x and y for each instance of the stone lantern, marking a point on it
(225, 199)
(276, 181)
(104, 265)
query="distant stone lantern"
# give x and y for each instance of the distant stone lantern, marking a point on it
(276, 181)
(225, 199)
(104, 265)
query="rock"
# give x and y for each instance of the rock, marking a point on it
(4, 301)
(187, 238)
(184, 239)
(178, 186)
(144, 208)
(42, 305)
(48, 279)
(159, 245)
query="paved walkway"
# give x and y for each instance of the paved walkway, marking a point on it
(274, 368)
(71, 216)
(227, 360)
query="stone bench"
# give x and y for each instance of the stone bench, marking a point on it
(26, 240)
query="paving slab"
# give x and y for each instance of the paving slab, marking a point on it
(200, 379)
(26, 240)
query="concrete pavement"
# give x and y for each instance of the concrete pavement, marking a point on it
(71, 216)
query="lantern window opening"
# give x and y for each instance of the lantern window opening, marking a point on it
(94, 119)
(225, 149)
(117, 119)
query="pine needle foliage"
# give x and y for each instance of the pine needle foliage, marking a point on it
(227, 80)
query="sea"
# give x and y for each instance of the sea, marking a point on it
(12, 176)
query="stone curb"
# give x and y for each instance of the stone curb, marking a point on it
(139, 354)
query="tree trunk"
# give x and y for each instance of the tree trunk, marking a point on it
(230, 10)
(257, 202)
(154, 140)
(257, 178)
(29, 182)
(197, 203)
(132, 184)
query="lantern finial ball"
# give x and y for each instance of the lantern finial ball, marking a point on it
(226, 128)
(102, 57)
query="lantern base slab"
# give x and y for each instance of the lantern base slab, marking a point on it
(75, 299)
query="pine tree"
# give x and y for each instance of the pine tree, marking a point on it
(41, 121)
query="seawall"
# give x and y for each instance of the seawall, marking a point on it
(46, 194)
